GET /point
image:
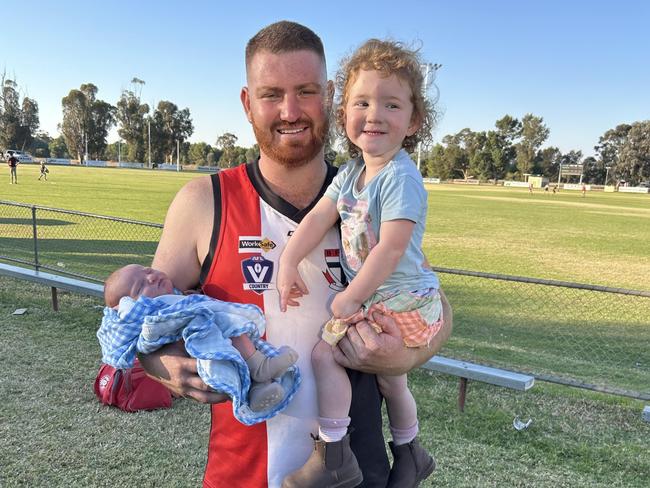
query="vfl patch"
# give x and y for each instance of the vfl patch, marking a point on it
(334, 273)
(253, 243)
(257, 271)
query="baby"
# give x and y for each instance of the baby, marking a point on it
(144, 312)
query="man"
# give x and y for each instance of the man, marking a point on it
(13, 163)
(226, 232)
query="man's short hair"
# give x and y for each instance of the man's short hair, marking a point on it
(282, 37)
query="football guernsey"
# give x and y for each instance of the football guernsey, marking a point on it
(252, 226)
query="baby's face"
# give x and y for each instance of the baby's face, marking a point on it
(136, 280)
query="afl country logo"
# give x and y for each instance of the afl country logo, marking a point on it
(334, 274)
(257, 272)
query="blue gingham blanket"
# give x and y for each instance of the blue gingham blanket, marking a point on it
(205, 324)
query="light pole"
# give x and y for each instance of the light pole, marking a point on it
(433, 69)
(149, 138)
(606, 174)
(119, 150)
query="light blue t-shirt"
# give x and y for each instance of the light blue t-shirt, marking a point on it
(396, 192)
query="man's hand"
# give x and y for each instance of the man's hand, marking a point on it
(171, 366)
(365, 350)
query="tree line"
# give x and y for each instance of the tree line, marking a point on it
(514, 148)
(511, 150)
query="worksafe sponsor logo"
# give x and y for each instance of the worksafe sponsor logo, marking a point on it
(253, 244)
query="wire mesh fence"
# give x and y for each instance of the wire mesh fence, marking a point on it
(579, 335)
(73, 243)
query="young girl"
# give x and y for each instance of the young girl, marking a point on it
(382, 204)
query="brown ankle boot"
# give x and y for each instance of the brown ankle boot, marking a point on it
(411, 465)
(331, 465)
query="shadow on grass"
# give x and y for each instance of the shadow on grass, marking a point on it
(26, 221)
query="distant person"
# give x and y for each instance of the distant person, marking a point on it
(530, 188)
(583, 189)
(13, 164)
(144, 312)
(381, 204)
(44, 171)
(555, 188)
(546, 189)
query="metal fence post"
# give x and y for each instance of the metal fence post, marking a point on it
(36, 265)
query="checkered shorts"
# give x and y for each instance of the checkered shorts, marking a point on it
(417, 314)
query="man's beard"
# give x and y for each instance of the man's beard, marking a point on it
(292, 155)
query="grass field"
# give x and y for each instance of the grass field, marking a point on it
(58, 433)
(601, 239)
(54, 433)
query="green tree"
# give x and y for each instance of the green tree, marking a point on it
(169, 126)
(40, 146)
(634, 157)
(253, 153)
(457, 152)
(226, 142)
(438, 164)
(609, 144)
(132, 122)
(18, 120)
(549, 160)
(86, 121)
(58, 148)
(533, 135)
(198, 153)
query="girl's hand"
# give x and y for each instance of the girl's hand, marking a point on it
(290, 287)
(344, 307)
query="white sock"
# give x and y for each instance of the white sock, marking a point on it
(332, 430)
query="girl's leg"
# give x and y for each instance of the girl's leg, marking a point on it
(334, 393)
(411, 462)
(401, 406)
(332, 462)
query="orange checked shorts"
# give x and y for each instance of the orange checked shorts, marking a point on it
(417, 315)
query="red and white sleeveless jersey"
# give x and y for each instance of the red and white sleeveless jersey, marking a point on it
(243, 268)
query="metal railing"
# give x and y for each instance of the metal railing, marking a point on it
(575, 334)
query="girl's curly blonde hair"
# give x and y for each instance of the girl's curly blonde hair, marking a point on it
(390, 58)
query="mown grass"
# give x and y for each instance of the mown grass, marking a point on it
(601, 239)
(53, 432)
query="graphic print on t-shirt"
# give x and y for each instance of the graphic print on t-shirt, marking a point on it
(357, 235)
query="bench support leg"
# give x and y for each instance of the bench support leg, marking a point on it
(55, 300)
(462, 392)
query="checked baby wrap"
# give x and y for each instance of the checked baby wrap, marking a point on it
(206, 325)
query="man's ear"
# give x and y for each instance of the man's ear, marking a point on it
(244, 96)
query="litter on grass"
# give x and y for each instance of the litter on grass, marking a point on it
(19, 311)
(519, 425)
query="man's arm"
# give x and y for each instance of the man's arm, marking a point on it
(365, 350)
(182, 247)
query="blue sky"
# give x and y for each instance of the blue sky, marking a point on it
(583, 66)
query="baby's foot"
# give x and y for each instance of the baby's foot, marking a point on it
(264, 368)
(263, 396)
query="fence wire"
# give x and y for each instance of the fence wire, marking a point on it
(74, 243)
(575, 334)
